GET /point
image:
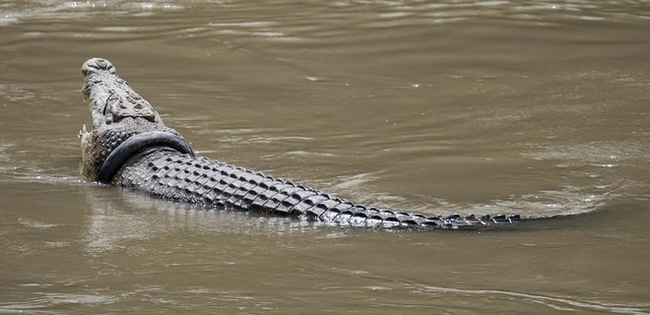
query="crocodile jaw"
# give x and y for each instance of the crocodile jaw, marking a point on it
(85, 142)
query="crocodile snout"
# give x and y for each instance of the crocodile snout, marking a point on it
(96, 65)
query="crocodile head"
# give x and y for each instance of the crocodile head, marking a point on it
(111, 99)
(124, 123)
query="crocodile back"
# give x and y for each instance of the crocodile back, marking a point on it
(210, 183)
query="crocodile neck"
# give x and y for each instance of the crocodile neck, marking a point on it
(107, 140)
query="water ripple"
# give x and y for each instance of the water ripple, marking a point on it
(556, 303)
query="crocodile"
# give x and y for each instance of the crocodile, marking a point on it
(129, 146)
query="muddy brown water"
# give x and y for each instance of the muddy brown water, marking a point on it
(535, 107)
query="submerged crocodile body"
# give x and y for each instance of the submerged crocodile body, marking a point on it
(130, 146)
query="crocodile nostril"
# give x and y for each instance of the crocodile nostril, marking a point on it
(102, 63)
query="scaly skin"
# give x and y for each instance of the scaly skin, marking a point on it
(168, 169)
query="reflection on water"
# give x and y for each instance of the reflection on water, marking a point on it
(536, 107)
(111, 228)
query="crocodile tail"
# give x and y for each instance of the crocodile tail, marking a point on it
(259, 193)
(347, 214)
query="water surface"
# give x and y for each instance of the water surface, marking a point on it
(533, 107)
